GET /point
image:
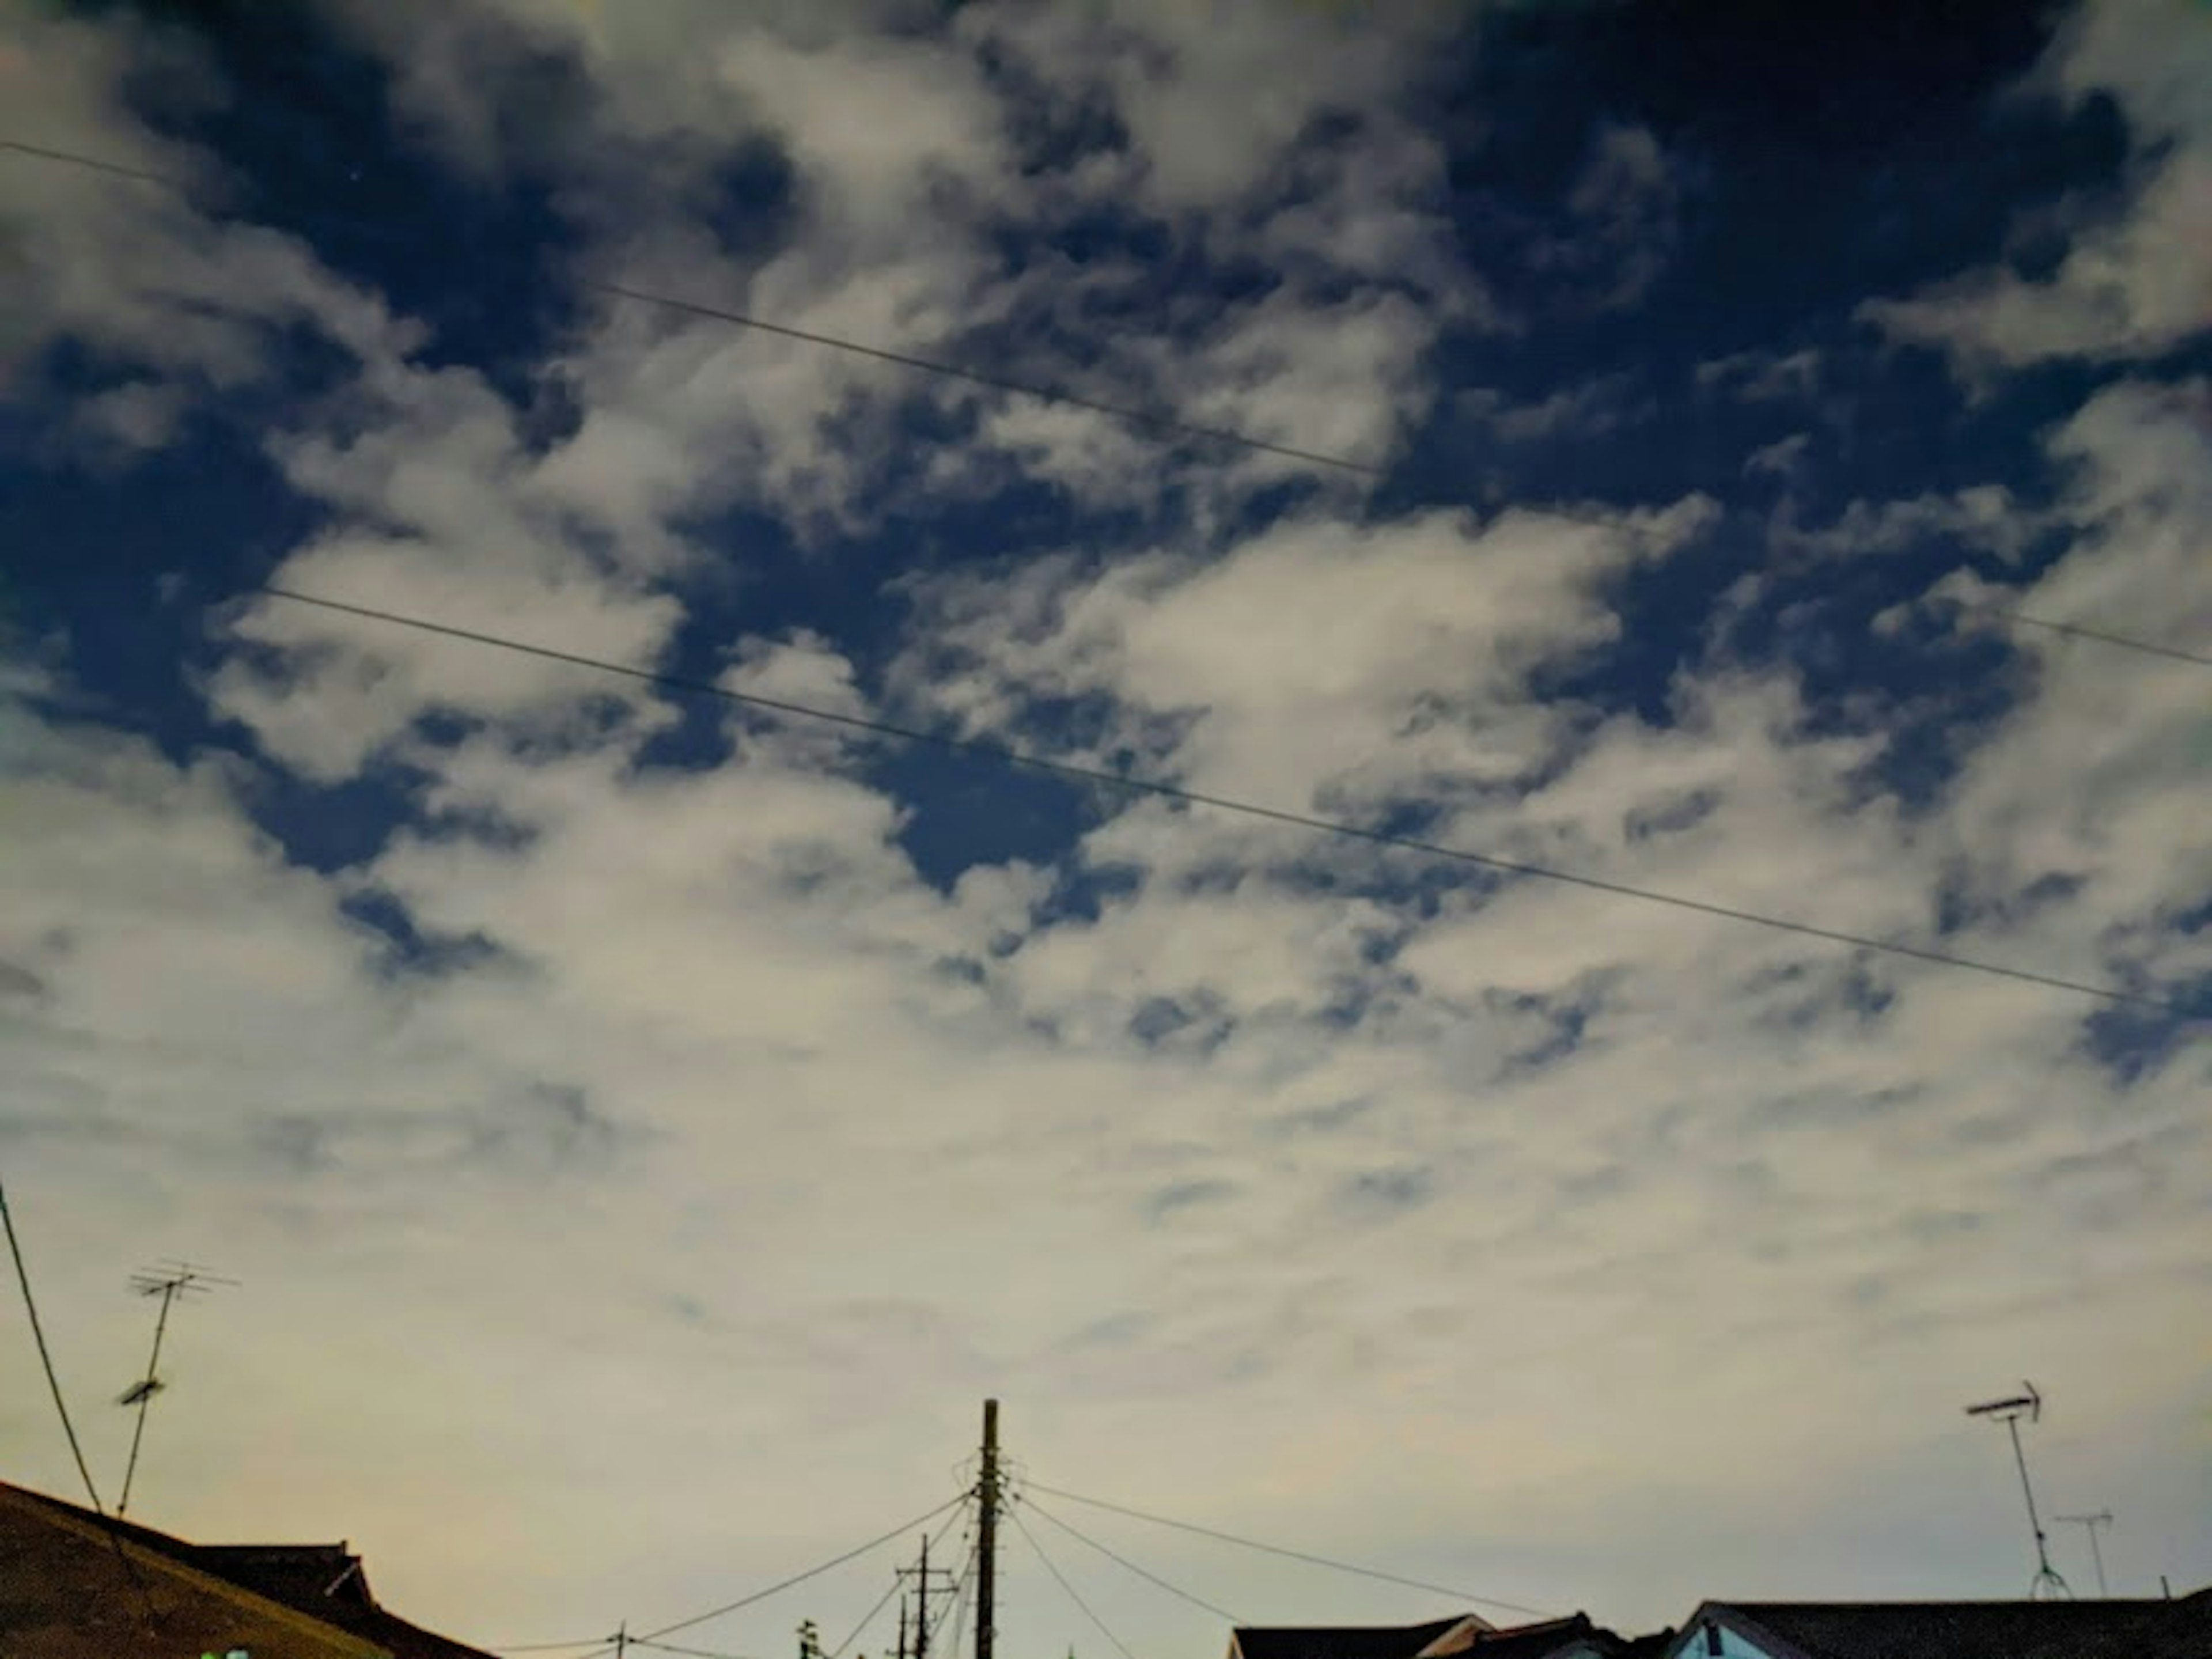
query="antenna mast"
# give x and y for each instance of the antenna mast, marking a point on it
(169, 1281)
(2089, 1523)
(2046, 1585)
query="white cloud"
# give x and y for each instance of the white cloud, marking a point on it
(1629, 200)
(127, 268)
(1759, 376)
(2133, 283)
(1275, 1181)
(1782, 457)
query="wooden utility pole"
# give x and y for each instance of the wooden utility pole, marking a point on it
(987, 1533)
(922, 1625)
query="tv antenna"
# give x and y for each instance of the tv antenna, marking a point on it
(2089, 1523)
(170, 1281)
(2047, 1585)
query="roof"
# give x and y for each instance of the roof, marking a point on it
(72, 1589)
(1462, 1637)
(1534, 1641)
(319, 1586)
(1341, 1641)
(1970, 1629)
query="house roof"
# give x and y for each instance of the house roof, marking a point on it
(1534, 1641)
(70, 1588)
(324, 1582)
(1469, 1639)
(1970, 1629)
(1341, 1641)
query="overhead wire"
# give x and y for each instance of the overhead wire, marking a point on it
(897, 1579)
(782, 1585)
(688, 1653)
(1160, 789)
(1152, 420)
(2076, 630)
(1061, 1578)
(1129, 414)
(961, 1592)
(61, 1409)
(1037, 1509)
(1305, 1555)
(935, 1627)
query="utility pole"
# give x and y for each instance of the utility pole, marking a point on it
(2089, 1523)
(925, 1577)
(169, 1281)
(621, 1639)
(987, 1532)
(2046, 1585)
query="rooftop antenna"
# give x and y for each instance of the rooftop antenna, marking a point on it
(2090, 1523)
(170, 1281)
(2046, 1585)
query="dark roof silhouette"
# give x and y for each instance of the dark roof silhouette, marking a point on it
(1532, 1641)
(1972, 1630)
(1341, 1641)
(324, 1582)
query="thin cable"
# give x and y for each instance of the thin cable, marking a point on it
(553, 1647)
(1038, 1509)
(1091, 775)
(934, 1628)
(1292, 1554)
(869, 1618)
(61, 1409)
(1124, 413)
(114, 170)
(931, 366)
(960, 1595)
(800, 1578)
(2074, 630)
(1061, 1578)
(691, 1653)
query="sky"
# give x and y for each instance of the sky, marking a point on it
(645, 1127)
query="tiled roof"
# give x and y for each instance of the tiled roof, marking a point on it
(1981, 1629)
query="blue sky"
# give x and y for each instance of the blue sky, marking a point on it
(616, 1104)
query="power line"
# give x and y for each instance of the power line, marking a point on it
(1150, 419)
(897, 1580)
(1091, 774)
(800, 1578)
(961, 1594)
(1061, 1578)
(555, 1647)
(1292, 1554)
(933, 1629)
(61, 1409)
(689, 1653)
(1122, 412)
(2074, 630)
(1150, 1577)
(114, 169)
(931, 366)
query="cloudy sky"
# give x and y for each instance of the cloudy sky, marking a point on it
(647, 1128)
